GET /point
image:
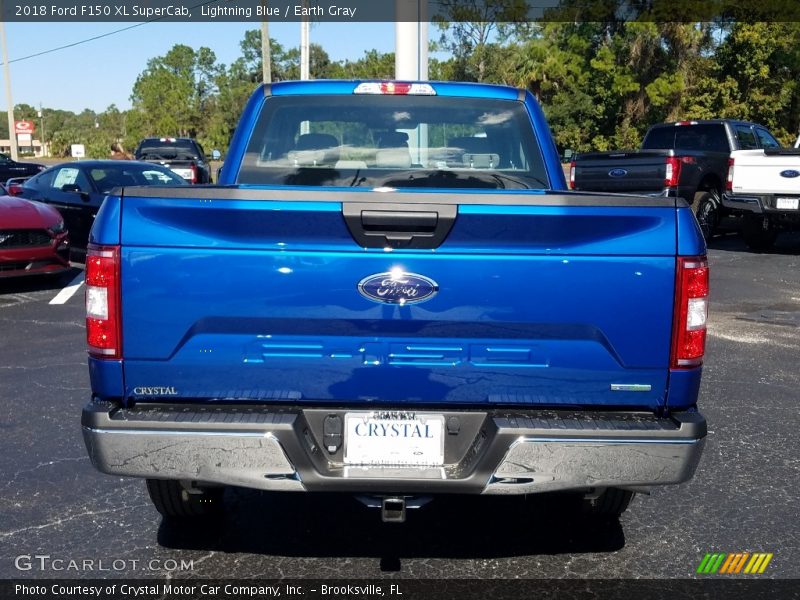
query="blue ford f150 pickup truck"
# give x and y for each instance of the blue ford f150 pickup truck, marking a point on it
(391, 294)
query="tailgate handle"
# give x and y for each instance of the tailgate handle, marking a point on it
(405, 222)
(422, 226)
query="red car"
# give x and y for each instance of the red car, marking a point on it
(33, 238)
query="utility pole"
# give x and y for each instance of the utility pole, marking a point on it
(41, 124)
(266, 57)
(12, 135)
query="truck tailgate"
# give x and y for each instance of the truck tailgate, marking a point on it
(622, 172)
(773, 172)
(536, 299)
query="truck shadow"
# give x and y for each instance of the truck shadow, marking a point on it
(788, 243)
(329, 525)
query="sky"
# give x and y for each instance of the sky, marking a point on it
(99, 73)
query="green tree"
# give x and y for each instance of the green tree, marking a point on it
(176, 91)
(759, 65)
(373, 65)
(602, 83)
(284, 63)
(319, 63)
(113, 123)
(468, 30)
(251, 62)
(556, 65)
(61, 141)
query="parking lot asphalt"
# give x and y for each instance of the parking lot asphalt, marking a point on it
(742, 498)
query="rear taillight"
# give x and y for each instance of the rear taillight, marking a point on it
(103, 320)
(729, 180)
(14, 189)
(572, 175)
(691, 313)
(673, 173)
(194, 172)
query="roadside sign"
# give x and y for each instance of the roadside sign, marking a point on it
(24, 139)
(24, 127)
(78, 150)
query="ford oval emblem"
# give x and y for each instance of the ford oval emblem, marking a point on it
(790, 173)
(398, 287)
(617, 173)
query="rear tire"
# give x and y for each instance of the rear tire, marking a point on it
(707, 212)
(174, 501)
(608, 505)
(755, 236)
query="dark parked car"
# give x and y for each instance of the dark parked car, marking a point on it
(77, 189)
(183, 155)
(11, 168)
(33, 238)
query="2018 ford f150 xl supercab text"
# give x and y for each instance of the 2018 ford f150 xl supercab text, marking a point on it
(391, 294)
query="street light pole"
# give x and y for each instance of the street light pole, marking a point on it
(411, 40)
(12, 135)
(304, 48)
(305, 126)
(411, 61)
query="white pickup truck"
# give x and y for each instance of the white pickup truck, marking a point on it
(764, 187)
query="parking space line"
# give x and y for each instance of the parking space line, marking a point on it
(68, 291)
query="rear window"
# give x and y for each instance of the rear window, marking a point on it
(659, 138)
(746, 137)
(167, 149)
(765, 139)
(704, 137)
(394, 141)
(107, 178)
(41, 181)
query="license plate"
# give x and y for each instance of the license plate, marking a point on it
(787, 203)
(404, 439)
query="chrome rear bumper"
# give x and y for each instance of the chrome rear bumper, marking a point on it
(240, 458)
(271, 448)
(543, 465)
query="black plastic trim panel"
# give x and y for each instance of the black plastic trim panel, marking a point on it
(289, 194)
